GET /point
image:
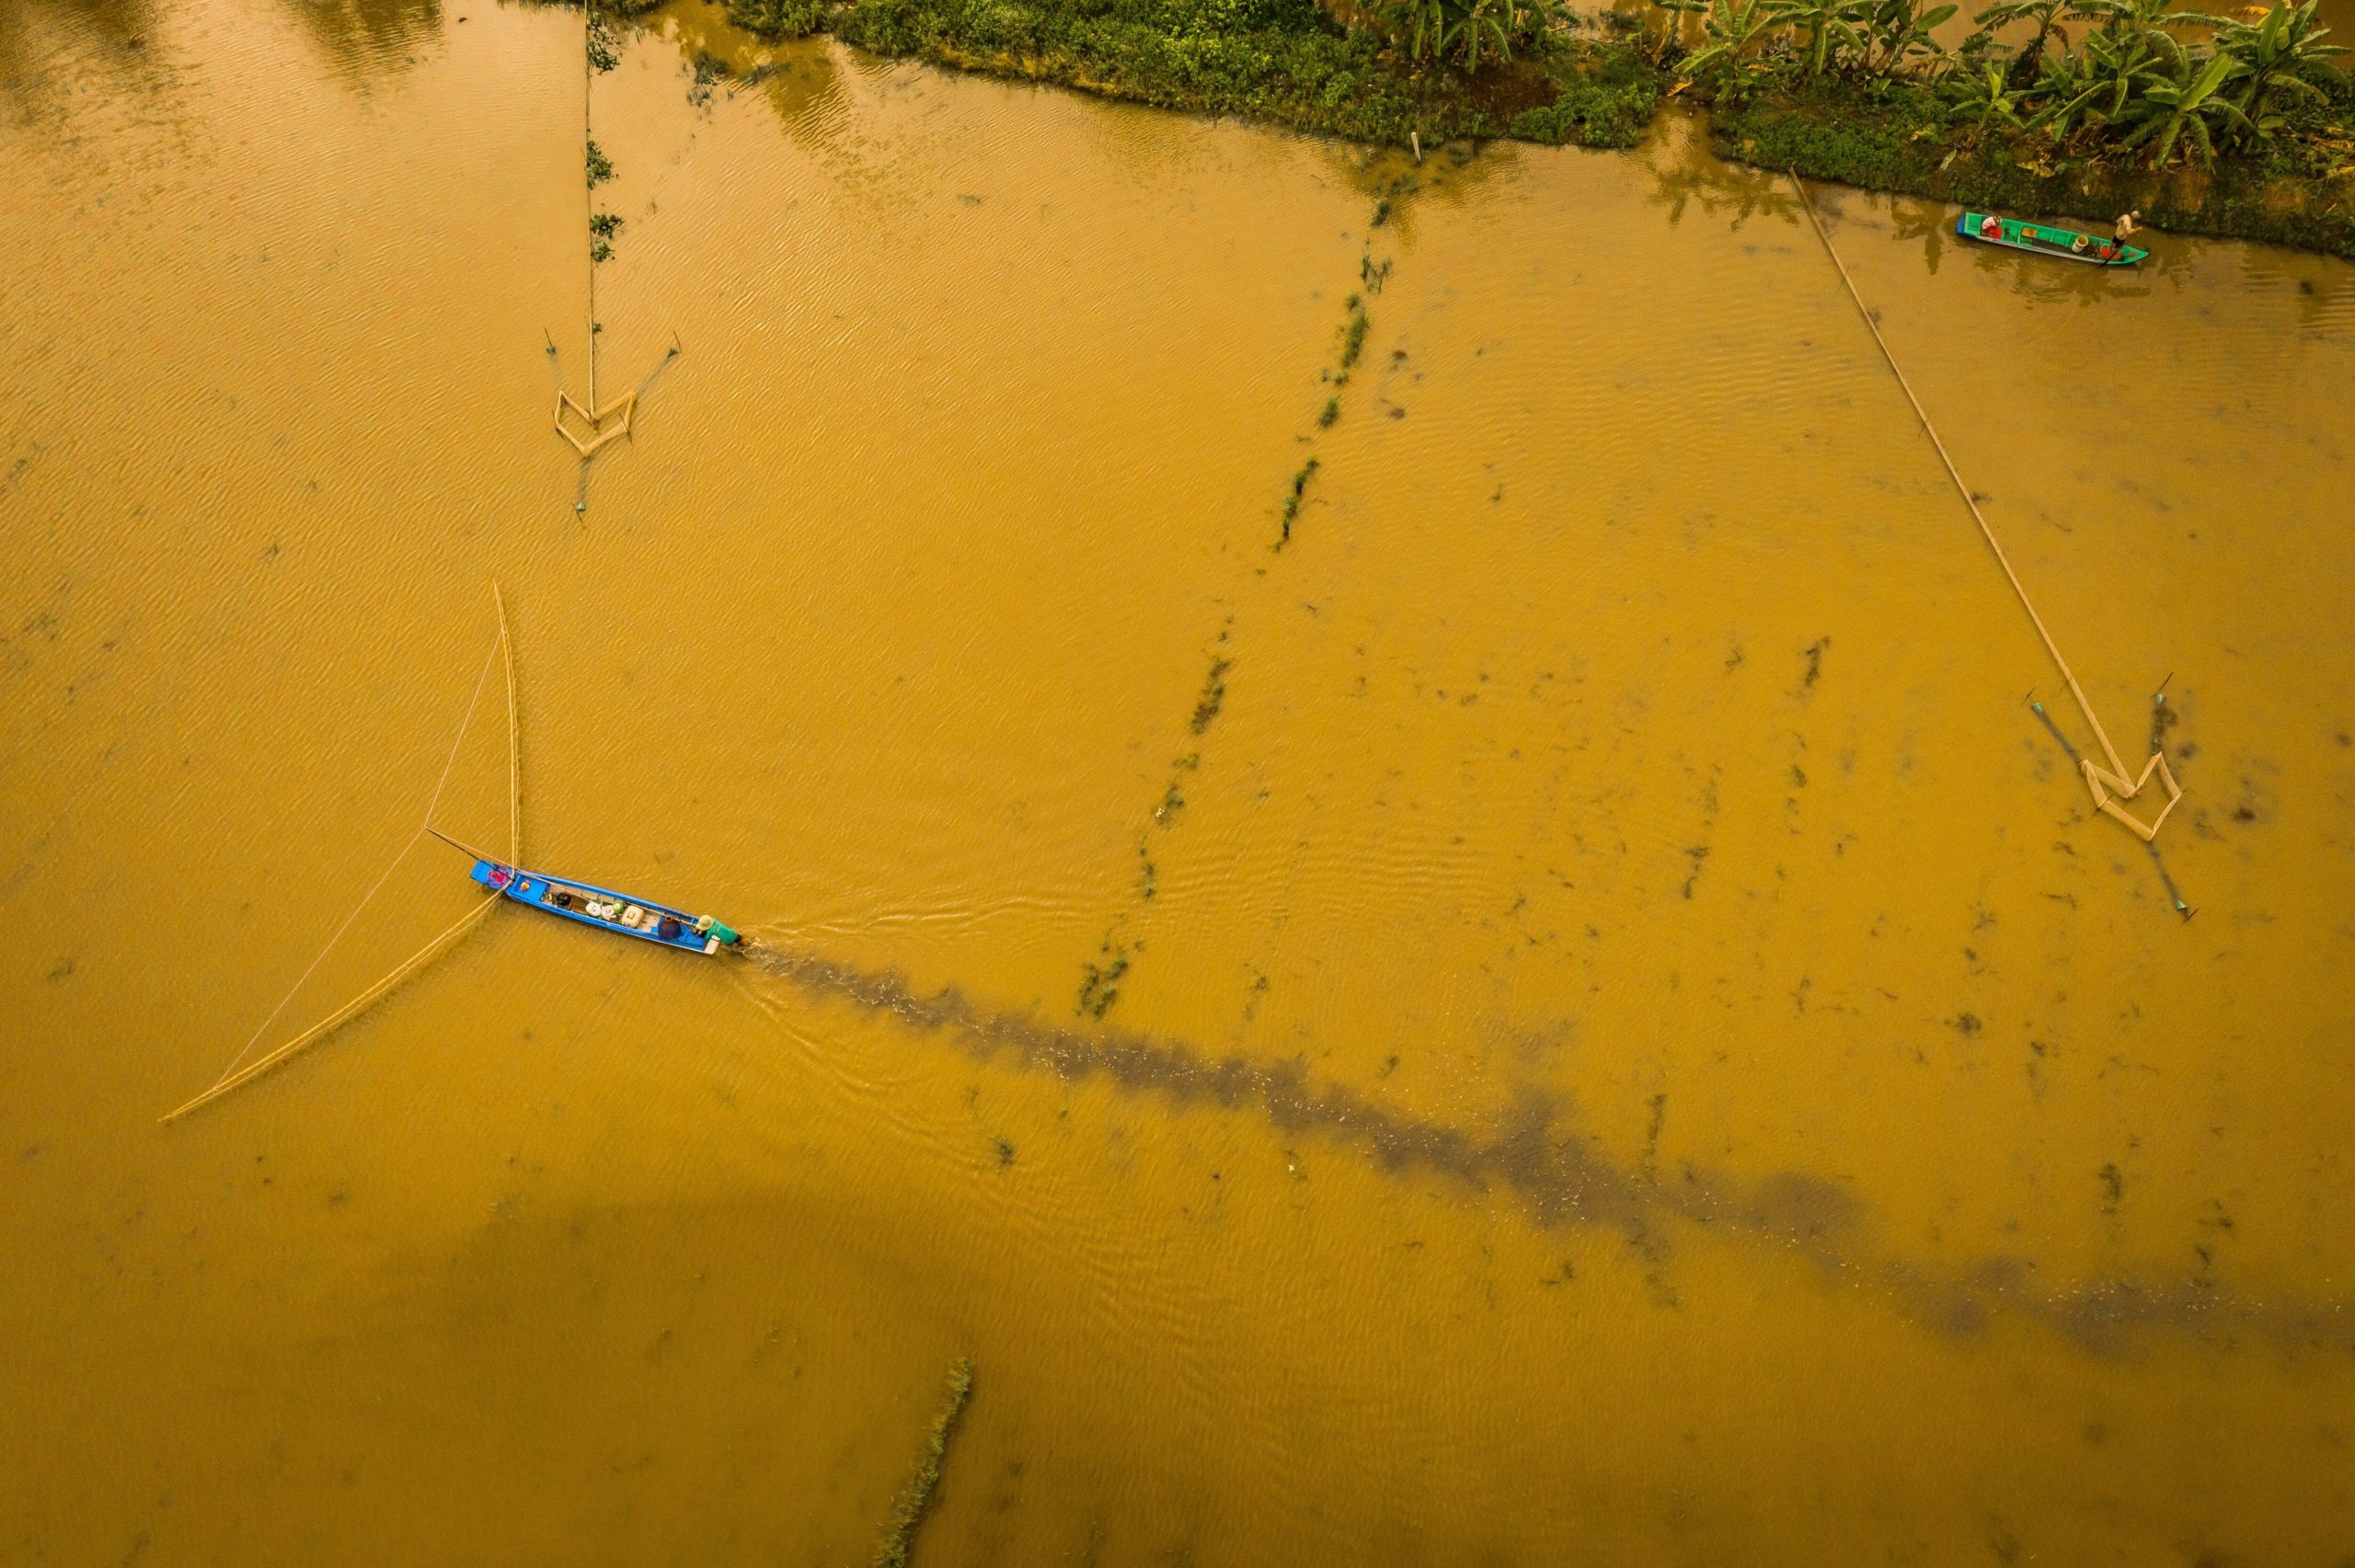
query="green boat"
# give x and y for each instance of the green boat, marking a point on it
(2044, 239)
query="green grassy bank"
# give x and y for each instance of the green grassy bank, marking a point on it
(1910, 119)
(1897, 141)
(1282, 61)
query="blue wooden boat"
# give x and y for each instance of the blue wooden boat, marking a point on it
(2045, 239)
(606, 909)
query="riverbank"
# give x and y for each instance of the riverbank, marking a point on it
(1289, 63)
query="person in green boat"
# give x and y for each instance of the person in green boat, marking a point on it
(2127, 223)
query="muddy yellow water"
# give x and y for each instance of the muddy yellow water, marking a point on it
(1574, 1013)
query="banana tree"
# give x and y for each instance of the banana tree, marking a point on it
(1419, 26)
(1831, 27)
(1729, 59)
(2180, 108)
(2154, 18)
(1986, 98)
(1895, 29)
(2095, 83)
(2284, 62)
(2045, 14)
(1481, 23)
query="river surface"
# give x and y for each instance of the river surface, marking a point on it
(1573, 1012)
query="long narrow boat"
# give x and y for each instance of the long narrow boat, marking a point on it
(608, 910)
(2068, 244)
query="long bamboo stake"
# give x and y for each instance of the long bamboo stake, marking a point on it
(588, 187)
(2114, 779)
(515, 741)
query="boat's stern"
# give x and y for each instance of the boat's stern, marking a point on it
(493, 876)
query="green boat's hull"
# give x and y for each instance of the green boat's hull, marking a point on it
(2045, 240)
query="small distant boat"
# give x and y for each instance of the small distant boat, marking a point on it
(2069, 245)
(605, 909)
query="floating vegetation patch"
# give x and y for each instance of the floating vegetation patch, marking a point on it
(600, 167)
(908, 1511)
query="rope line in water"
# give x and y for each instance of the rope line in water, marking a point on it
(233, 1076)
(2102, 782)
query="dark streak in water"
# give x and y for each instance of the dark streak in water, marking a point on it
(1558, 1177)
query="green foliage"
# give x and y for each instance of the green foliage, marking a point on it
(2284, 64)
(601, 57)
(600, 167)
(1904, 137)
(1834, 31)
(2045, 14)
(1732, 58)
(1464, 31)
(1896, 31)
(1985, 99)
(778, 18)
(2183, 107)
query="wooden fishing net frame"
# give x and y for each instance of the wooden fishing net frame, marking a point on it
(239, 1072)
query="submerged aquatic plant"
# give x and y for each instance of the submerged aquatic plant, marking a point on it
(908, 1510)
(1099, 984)
(1291, 510)
(1213, 695)
(1353, 333)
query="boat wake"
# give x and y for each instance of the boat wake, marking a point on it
(1558, 1177)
